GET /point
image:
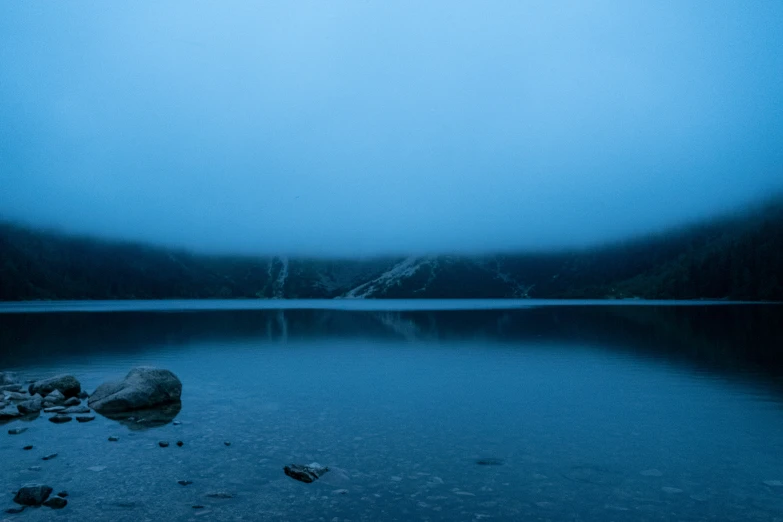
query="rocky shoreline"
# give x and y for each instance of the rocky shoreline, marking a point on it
(146, 398)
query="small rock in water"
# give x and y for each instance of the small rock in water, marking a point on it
(163, 444)
(667, 489)
(54, 409)
(489, 462)
(27, 448)
(49, 457)
(220, 494)
(180, 443)
(55, 397)
(17, 431)
(651, 473)
(176, 423)
(32, 494)
(85, 418)
(227, 443)
(184, 482)
(60, 418)
(73, 401)
(309, 473)
(62, 494)
(774, 483)
(114, 438)
(56, 502)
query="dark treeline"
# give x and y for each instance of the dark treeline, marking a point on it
(735, 257)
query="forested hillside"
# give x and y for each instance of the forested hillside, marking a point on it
(735, 257)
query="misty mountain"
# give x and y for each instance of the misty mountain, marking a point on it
(736, 257)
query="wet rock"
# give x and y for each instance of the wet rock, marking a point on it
(85, 418)
(55, 397)
(17, 396)
(55, 502)
(8, 413)
(226, 443)
(32, 494)
(68, 385)
(184, 482)
(27, 448)
(60, 418)
(163, 443)
(17, 431)
(62, 494)
(83, 395)
(54, 409)
(143, 387)
(180, 443)
(309, 473)
(114, 438)
(77, 409)
(176, 423)
(49, 457)
(220, 494)
(34, 405)
(73, 401)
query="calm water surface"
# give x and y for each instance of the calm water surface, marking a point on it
(586, 413)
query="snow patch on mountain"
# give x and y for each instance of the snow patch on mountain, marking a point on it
(401, 270)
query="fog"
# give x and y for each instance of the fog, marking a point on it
(361, 128)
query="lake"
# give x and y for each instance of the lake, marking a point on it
(423, 410)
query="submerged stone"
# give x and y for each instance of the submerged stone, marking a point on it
(17, 431)
(220, 494)
(163, 444)
(60, 418)
(32, 494)
(307, 474)
(85, 418)
(184, 482)
(49, 457)
(55, 502)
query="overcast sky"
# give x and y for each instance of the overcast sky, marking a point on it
(362, 127)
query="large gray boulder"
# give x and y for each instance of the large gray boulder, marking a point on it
(68, 385)
(144, 387)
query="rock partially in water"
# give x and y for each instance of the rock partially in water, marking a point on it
(49, 457)
(34, 405)
(85, 418)
(60, 418)
(143, 387)
(17, 396)
(226, 443)
(77, 409)
(55, 397)
(184, 482)
(54, 409)
(114, 438)
(180, 443)
(8, 413)
(28, 448)
(163, 443)
(68, 385)
(73, 401)
(32, 494)
(308, 474)
(16, 431)
(55, 502)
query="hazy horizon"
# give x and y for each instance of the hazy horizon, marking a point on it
(361, 129)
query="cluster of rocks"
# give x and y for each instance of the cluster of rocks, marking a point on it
(61, 395)
(34, 495)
